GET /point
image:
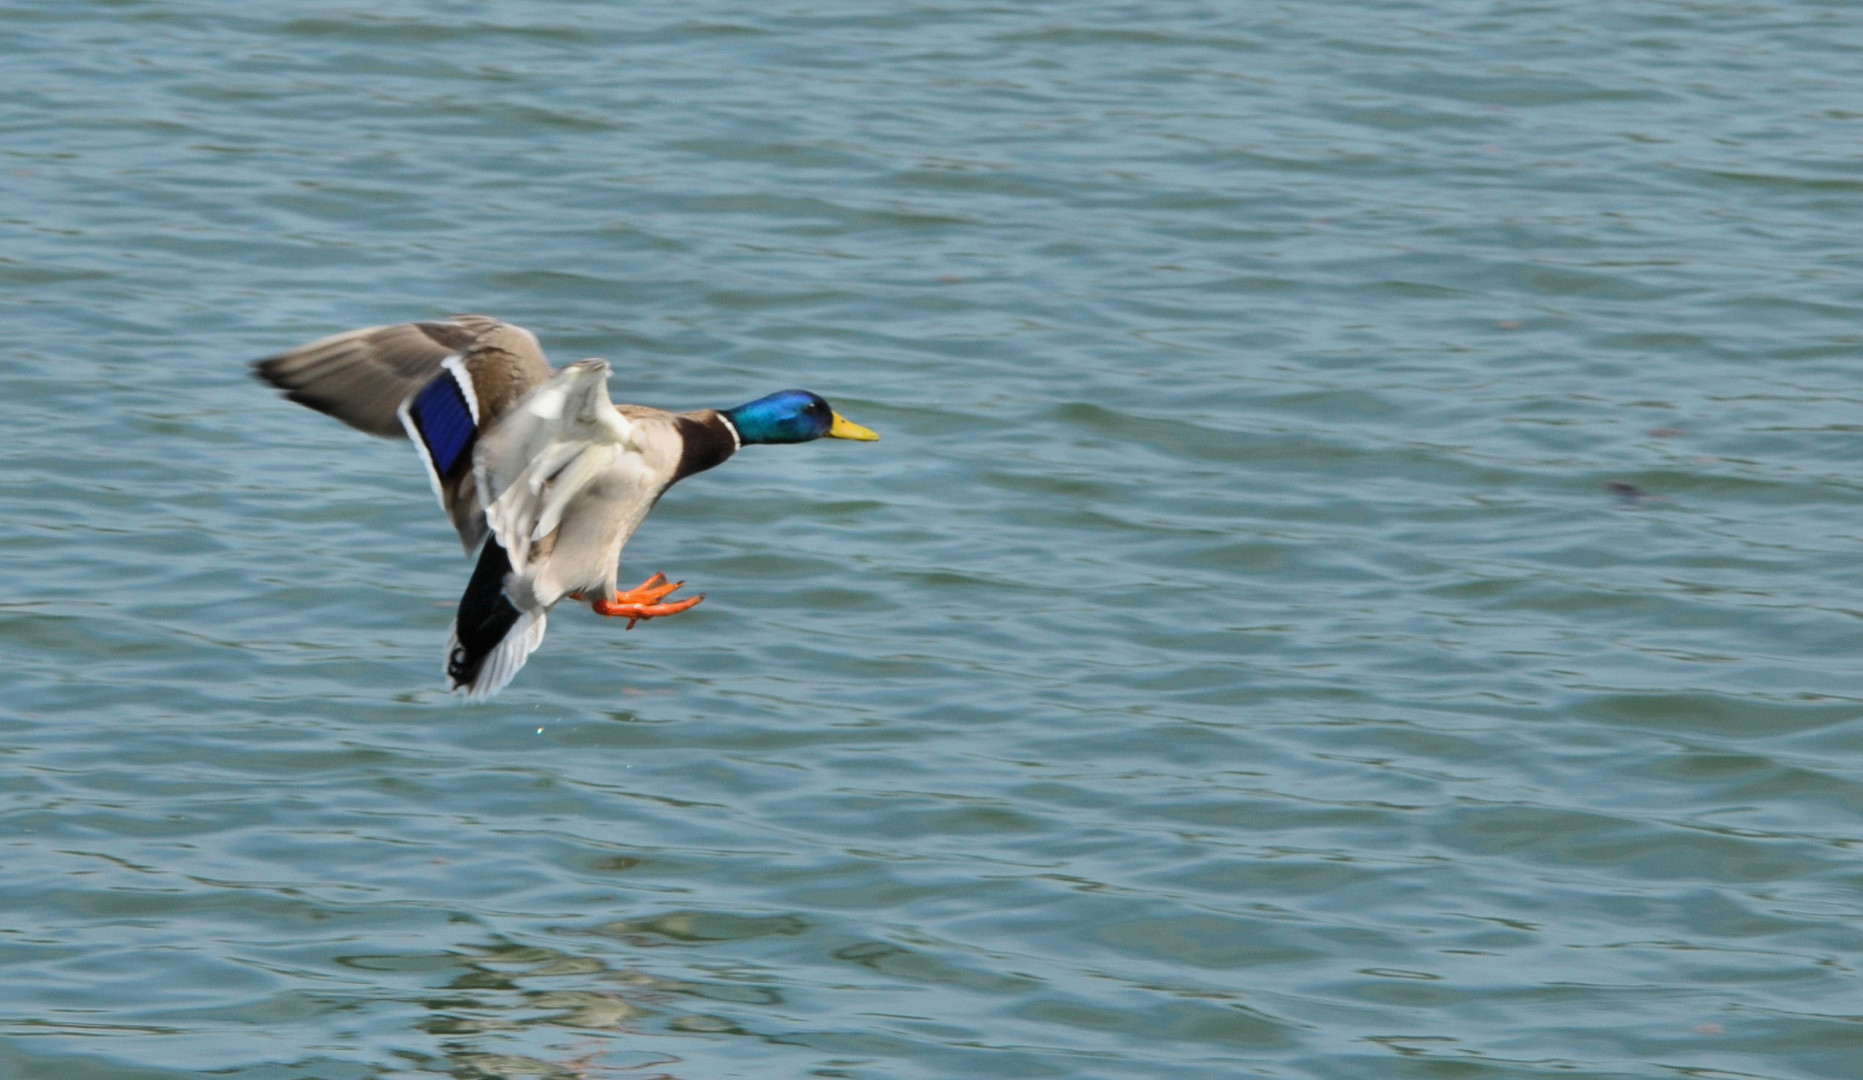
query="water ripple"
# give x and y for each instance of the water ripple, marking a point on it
(1358, 580)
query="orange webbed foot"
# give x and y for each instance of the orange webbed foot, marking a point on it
(643, 601)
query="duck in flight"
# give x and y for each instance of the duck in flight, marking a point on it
(542, 474)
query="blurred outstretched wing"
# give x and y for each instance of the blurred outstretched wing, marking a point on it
(437, 382)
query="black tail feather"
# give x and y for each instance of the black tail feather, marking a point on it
(485, 616)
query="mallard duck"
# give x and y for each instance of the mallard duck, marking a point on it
(541, 474)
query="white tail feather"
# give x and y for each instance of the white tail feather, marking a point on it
(503, 663)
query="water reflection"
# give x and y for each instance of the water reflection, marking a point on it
(506, 1009)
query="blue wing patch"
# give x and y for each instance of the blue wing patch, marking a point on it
(441, 421)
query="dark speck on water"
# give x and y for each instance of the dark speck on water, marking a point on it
(1628, 492)
(1214, 673)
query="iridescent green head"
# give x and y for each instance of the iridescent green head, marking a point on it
(793, 416)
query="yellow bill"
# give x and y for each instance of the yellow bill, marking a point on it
(847, 429)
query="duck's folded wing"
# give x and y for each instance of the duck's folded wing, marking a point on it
(546, 453)
(532, 507)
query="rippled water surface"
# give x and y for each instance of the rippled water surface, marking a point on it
(1361, 579)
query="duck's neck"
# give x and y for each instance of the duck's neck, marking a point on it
(708, 441)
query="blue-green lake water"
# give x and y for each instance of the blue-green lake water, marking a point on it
(1363, 578)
